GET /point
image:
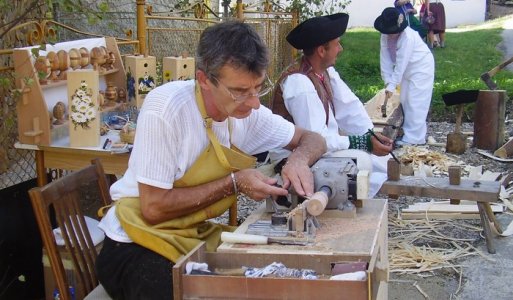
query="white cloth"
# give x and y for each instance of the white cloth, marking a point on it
(97, 235)
(414, 71)
(171, 136)
(353, 276)
(303, 104)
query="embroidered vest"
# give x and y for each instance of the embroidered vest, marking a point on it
(323, 88)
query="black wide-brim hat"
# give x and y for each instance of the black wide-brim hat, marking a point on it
(390, 21)
(318, 31)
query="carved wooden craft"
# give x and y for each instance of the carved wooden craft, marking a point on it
(54, 65)
(36, 106)
(43, 69)
(74, 58)
(83, 108)
(64, 63)
(141, 74)
(177, 68)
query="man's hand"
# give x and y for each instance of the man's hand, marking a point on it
(256, 185)
(388, 93)
(381, 148)
(299, 176)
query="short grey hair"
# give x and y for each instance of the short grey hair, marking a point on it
(231, 43)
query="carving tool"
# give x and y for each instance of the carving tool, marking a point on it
(379, 140)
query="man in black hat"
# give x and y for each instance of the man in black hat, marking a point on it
(406, 61)
(311, 94)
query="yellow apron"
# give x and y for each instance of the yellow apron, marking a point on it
(177, 237)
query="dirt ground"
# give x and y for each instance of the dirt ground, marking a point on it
(476, 277)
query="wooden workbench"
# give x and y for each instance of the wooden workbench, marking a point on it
(362, 238)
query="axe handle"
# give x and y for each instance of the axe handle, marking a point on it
(494, 71)
(459, 116)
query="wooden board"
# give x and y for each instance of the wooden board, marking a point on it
(333, 236)
(474, 190)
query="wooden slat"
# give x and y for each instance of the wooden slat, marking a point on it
(475, 190)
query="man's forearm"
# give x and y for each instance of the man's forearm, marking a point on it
(159, 205)
(310, 148)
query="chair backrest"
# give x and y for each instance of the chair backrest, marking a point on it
(62, 199)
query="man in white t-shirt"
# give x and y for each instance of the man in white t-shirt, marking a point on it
(188, 163)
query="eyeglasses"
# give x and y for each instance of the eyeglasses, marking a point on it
(263, 90)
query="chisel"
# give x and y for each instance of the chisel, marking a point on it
(242, 238)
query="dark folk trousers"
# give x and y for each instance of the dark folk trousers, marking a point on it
(130, 271)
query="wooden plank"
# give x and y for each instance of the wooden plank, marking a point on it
(440, 216)
(75, 159)
(474, 190)
(444, 208)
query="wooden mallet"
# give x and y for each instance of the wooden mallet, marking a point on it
(457, 141)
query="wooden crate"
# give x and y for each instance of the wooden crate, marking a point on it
(363, 239)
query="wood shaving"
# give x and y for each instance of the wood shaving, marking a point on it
(422, 157)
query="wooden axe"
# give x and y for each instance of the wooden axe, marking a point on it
(384, 106)
(487, 76)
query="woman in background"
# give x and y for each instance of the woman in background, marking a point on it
(436, 9)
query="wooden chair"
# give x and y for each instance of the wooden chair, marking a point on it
(62, 199)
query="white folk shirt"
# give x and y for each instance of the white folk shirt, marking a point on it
(303, 104)
(413, 70)
(171, 136)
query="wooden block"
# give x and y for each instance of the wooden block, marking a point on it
(506, 150)
(455, 179)
(177, 68)
(489, 114)
(83, 108)
(141, 74)
(362, 184)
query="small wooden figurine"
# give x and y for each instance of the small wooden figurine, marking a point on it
(54, 65)
(122, 96)
(59, 111)
(43, 69)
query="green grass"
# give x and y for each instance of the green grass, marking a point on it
(468, 54)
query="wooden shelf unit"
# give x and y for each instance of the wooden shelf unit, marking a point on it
(34, 109)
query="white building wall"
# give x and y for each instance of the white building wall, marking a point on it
(457, 12)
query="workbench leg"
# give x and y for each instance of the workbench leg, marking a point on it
(491, 217)
(42, 177)
(486, 227)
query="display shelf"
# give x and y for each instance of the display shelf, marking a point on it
(35, 109)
